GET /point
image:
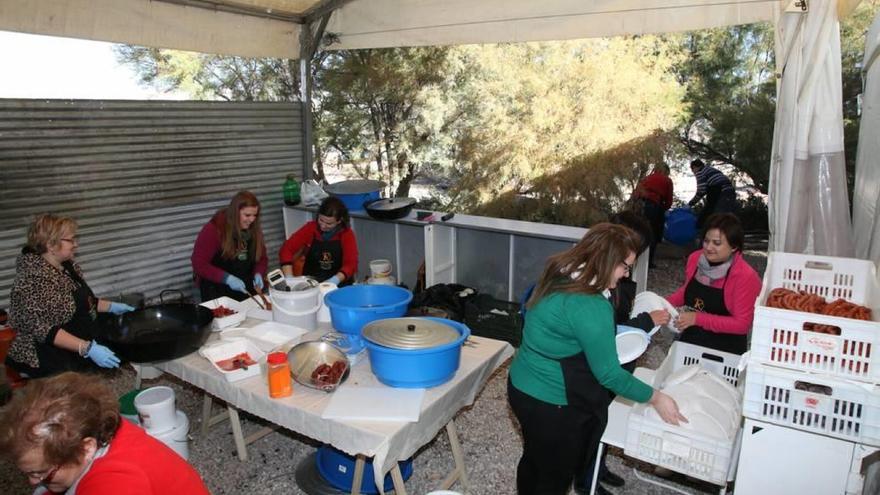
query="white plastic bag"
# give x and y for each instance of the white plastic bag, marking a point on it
(312, 193)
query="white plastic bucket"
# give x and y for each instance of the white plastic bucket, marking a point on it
(155, 407)
(380, 268)
(178, 437)
(324, 312)
(297, 308)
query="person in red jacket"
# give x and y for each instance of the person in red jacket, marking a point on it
(65, 434)
(655, 194)
(229, 256)
(328, 244)
(720, 289)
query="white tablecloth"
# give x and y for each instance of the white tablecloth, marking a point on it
(386, 442)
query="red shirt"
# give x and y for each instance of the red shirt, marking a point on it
(656, 188)
(303, 238)
(138, 464)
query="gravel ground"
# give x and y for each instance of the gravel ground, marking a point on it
(487, 430)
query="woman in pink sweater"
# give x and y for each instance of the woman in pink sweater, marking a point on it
(720, 288)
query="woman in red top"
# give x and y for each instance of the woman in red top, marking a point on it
(720, 289)
(65, 434)
(229, 256)
(328, 244)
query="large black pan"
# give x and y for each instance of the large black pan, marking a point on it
(389, 208)
(157, 333)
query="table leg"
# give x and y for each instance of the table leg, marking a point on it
(207, 406)
(358, 477)
(596, 468)
(397, 478)
(236, 433)
(458, 455)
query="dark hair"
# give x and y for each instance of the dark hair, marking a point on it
(231, 236)
(334, 207)
(697, 164)
(729, 225)
(637, 223)
(593, 259)
(56, 414)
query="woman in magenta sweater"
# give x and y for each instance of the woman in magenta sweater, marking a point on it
(720, 287)
(229, 256)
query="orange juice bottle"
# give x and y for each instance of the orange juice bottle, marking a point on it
(279, 375)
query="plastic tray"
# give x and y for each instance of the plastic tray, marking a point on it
(229, 349)
(701, 456)
(226, 321)
(813, 403)
(779, 337)
(271, 335)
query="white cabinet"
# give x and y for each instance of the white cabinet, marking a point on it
(784, 461)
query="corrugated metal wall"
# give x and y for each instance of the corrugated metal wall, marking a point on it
(141, 178)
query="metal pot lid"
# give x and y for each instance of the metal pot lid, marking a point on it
(390, 204)
(410, 333)
(358, 186)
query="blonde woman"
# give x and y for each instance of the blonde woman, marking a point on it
(567, 363)
(52, 307)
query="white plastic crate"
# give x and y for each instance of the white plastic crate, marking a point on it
(814, 403)
(779, 336)
(701, 456)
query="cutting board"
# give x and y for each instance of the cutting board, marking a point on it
(375, 404)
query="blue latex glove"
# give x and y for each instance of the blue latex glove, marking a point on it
(102, 356)
(333, 280)
(234, 283)
(118, 308)
(258, 280)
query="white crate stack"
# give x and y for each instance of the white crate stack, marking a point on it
(818, 382)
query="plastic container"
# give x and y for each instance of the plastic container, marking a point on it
(813, 403)
(355, 193)
(681, 226)
(779, 336)
(177, 438)
(380, 268)
(126, 406)
(298, 308)
(231, 349)
(155, 409)
(337, 468)
(219, 323)
(279, 375)
(418, 368)
(686, 451)
(291, 190)
(354, 306)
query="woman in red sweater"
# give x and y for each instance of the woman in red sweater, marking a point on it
(229, 256)
(328, 244)
(65, 434)
(720, 288)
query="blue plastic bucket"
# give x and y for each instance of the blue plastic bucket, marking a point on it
(418, 368)
(356, 202)
(337, 468)
(354, 306)
(681, 226)
(354, 193)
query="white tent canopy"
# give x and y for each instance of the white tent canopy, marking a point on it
(866, 196)
(271, 28)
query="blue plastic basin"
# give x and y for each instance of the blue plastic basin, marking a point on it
(354, 306)
(418, 368)
(355, 202)
(337, 468)
(681, 226)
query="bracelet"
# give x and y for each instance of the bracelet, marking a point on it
(84, 348)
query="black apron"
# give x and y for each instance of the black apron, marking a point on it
(324, 260)
(54, 360)
(706, 299)
(241, 266)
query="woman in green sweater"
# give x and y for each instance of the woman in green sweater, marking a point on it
(560, 378)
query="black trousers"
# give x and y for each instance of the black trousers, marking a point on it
(554, 443)
(656, 217)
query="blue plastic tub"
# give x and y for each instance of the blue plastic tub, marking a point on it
(681, 226)
(354, 306)
(355, 193)
(337, 468)
(418, 368)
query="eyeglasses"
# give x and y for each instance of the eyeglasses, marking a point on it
(43, 477)
(629, 268)
(72, 240)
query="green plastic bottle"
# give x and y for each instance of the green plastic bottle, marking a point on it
(291, 191)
